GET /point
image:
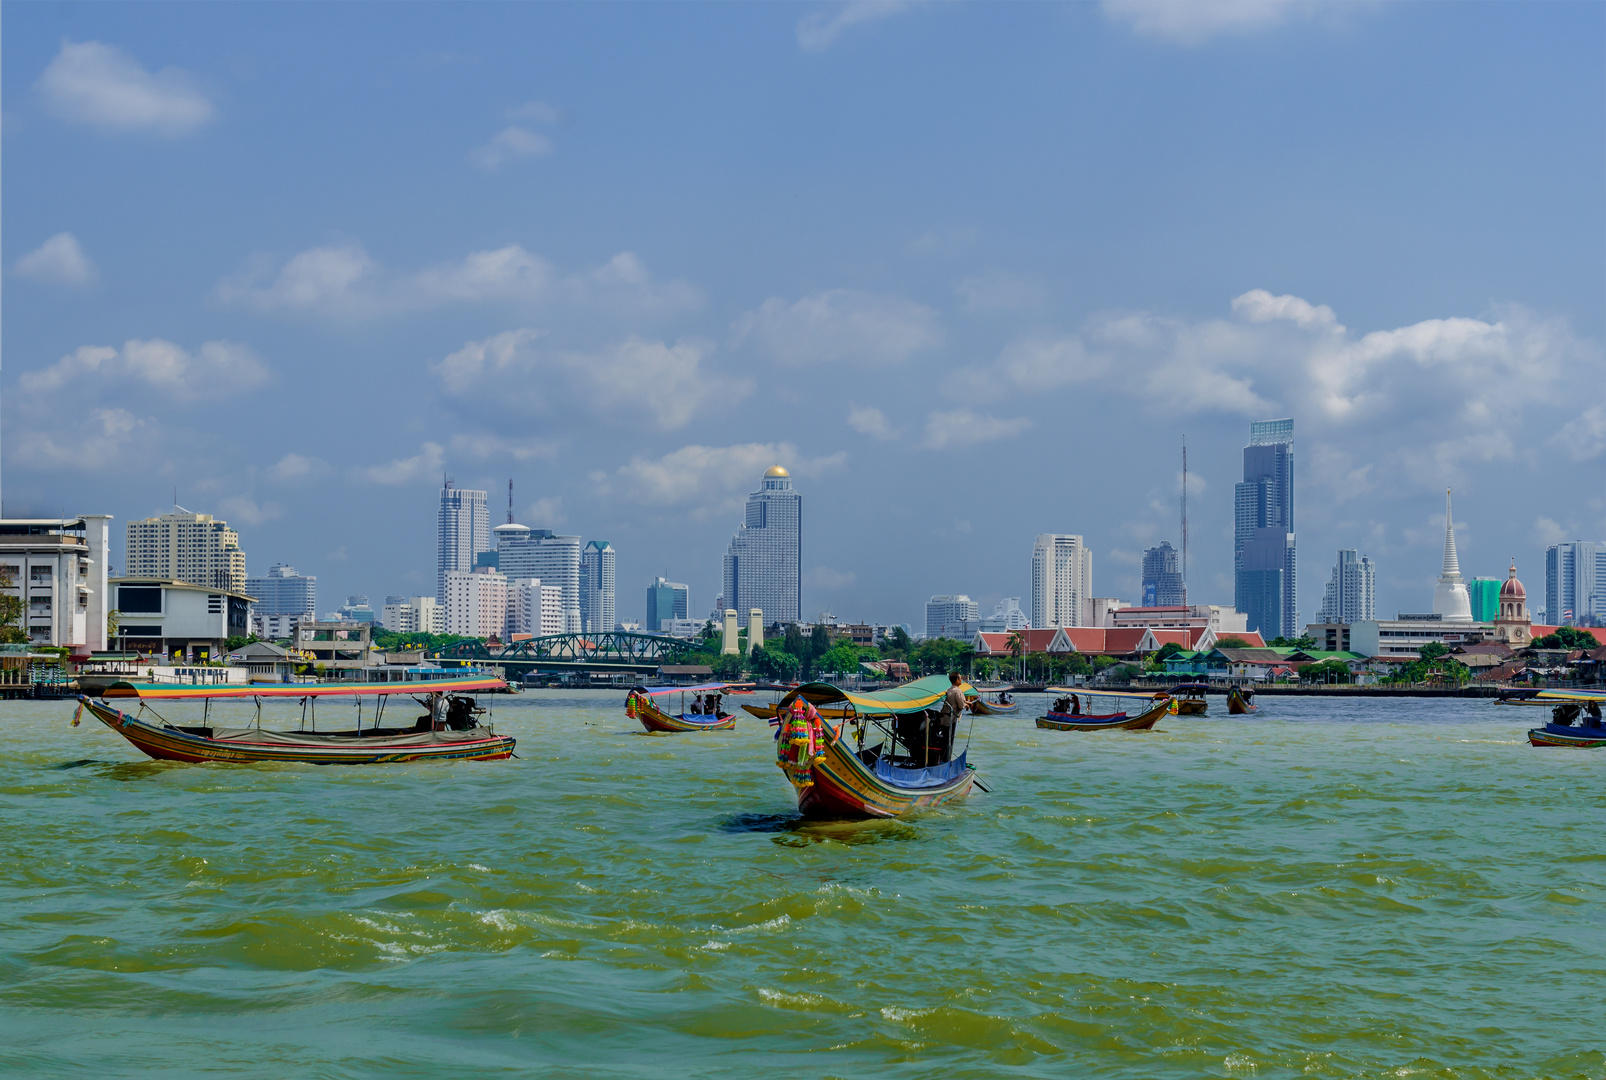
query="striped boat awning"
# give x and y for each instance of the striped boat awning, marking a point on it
(171, 691)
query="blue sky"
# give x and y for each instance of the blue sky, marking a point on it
(971, 271)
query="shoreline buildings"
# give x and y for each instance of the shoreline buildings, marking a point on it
(1264, 559)
(1062, 579)
(1352, 590)
(283, 600)
(523, 553)
(666, 600)
(763, 566)
(951, 616)
(57, 568)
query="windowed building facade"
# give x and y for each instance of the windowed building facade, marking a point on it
(763, 565)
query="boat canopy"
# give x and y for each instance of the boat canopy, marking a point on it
(1086, 691)
(911, 697)
(171, 691)
(701, 688)
(1556, 697)
(1190, 688)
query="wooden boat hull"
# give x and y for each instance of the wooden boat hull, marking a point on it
(978, 707)
(167, 743)
(1114, 722)
(1237, 706)
(1578, 738)
(841, 785)
(655, 719)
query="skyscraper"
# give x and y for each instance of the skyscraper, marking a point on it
(284, 592)
(1352, 590)
(596, 587)
(182, 546)
(1264, 562)
(764, 564)
(464, 527)
(1062, 577)
(1575, 582)
(1162, 580)
(1450, 599)
(666, 600)
(952, 617)
(523, 552)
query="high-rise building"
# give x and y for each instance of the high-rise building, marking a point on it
(522, 552)
(1575, 582)
(1062, 578)
(464, 526)
(951, 617)
(1485, 594)
(284, 592)
(596, 587)
(1007, 616)
(413, 615)
(666, 600)
(764, 564)
(1264, 561)
(476, 602)
(534, 608)
(193, 548)
(1162, 579)
(1450, 599)
(1352, 590)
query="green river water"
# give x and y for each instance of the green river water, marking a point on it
(1331, 889)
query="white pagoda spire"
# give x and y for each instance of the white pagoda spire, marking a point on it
(1450, 599)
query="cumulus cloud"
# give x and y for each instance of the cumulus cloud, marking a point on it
(1193, 22)
(963, 427)
(867, 420)
(840, 324)
(346, 282)
(484, 445)
(819, 30)
(426, 464)
(216, 369)
(246, 510)
(635, 380)
(103, 87)
(1442, 392)
(997, 291)
(1584, 436)
(59, 259)
(513, 141)
(293, 467)
(98, 442)
(707, 478)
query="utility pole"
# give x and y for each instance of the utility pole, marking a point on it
(510, 500)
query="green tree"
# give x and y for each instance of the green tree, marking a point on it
(728, 668)
(1567, 637)
(1304, 641)
(841, 658)
(11, 631)
(773, 663)
(1328, 671)
(897, 642)
(1231, 642)
(1432, 650)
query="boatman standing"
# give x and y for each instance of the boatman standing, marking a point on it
(953, 707)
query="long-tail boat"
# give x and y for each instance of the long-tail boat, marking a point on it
(1240, 703)
(1567, 709)
(1077, 710)
(1188, 699)
(643, 703)
(836, 773)
(451, 727)
(768, 712)
(999, 706)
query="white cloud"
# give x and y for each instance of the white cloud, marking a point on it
(1032, 364)
(997, 291)
(819, 30)
(216, 369)
(294, 467)
(1584, 436)
(345, 282)
(840, 325)
(484, 445)
(636, 380)
(428, 462)
(1193, 22)
(59, 260)
(511, 142)
(1548, 532)
(104, 87)
(707, 478)
(545, 513)
(962, 427)
(246, 510)
(867, 420)
(100, 442)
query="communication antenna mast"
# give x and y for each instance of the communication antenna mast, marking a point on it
(510, 500)
(1184, 512)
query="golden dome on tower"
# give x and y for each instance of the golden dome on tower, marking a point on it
(775, 471)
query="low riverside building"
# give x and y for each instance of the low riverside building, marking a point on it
(338, 646)
(1221, 620)
(1406, 635)
(57, 568)
(1132, 641)
(183, 622)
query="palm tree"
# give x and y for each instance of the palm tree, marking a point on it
(1017, 645)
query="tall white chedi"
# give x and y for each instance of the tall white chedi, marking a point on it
(1450, 599)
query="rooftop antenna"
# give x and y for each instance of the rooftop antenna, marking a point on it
(510, 500)
(1184, 513)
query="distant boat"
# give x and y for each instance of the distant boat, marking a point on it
(999, 707)
(1188, 699)
(1239, 702)
(648, 704)
(879, 760)
(1567, 709)
(451, 728)
(1084, 710)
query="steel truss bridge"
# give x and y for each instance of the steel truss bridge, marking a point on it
(615, 651)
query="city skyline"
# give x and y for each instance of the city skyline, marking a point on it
(894, 284)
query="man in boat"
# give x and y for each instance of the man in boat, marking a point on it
(941, 743)
(697, 705)
(1003, 697)
(1592, 715)
(712, 707)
